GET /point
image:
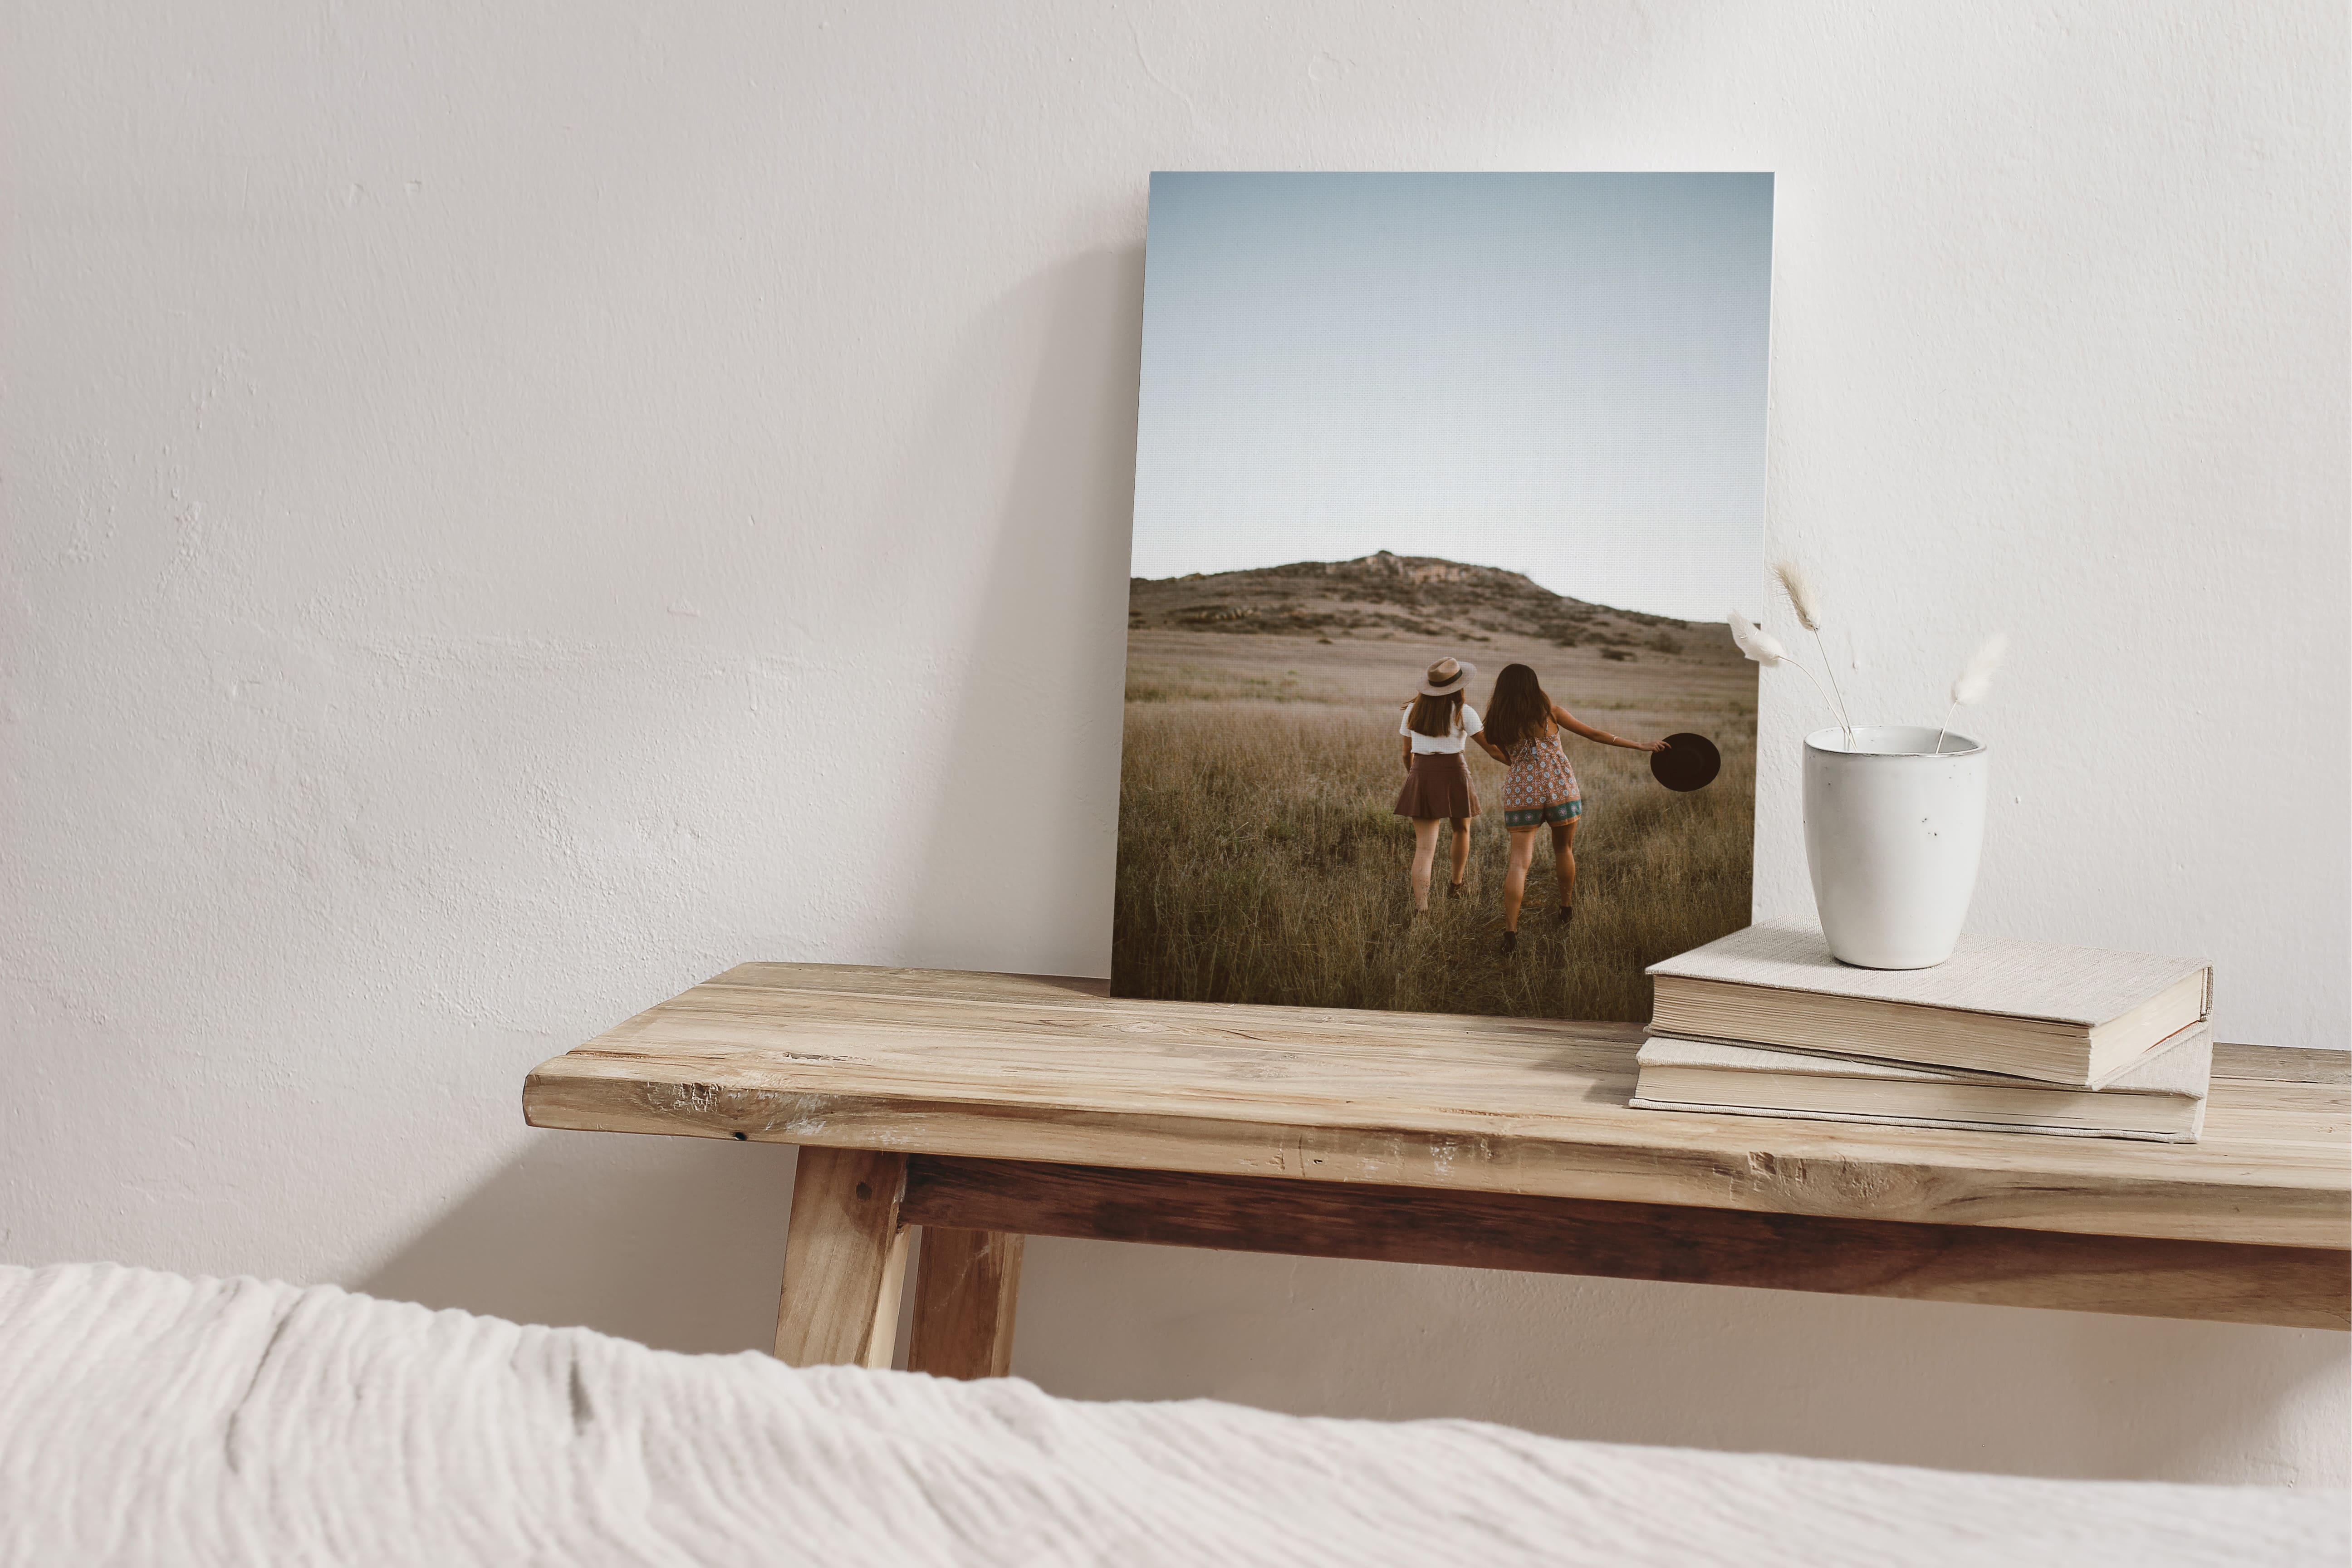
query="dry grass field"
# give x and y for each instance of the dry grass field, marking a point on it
(1258, 859)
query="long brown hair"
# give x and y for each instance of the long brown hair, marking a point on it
(1519, 708)
(1436, 716)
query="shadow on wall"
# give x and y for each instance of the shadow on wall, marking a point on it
(680, 1242)
(1914, 1382)
(1017, 867)
(677, 1242)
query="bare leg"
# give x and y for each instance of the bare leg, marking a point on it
(1514, 875)
(1425, 855)
(1563, 859)
(1461, 849)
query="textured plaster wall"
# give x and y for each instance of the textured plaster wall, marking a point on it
(511, 509)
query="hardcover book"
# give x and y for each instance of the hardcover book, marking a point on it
(2160, 1098)
(2075, 1015)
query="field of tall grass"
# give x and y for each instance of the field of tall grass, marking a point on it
(1258, 861)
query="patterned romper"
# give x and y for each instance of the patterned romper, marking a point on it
(1541, 786)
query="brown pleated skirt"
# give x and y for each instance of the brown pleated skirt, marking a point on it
(1438, 786)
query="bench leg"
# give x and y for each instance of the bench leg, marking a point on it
(964, 1293)
(844, 1259)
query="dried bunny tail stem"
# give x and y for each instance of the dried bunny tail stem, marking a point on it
(1975, 679)
(1807, 603)
(1945, 726)
(1829, 667)
(1765, 649)
(1844, 733)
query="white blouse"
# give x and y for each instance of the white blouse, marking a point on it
(1424, 744)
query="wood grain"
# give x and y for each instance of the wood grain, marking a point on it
(965, 1289)
(2283, 1064)
(1004, 1066)
(845, 1258)
(2298, 1287)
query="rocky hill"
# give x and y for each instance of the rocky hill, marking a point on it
(1414, 596)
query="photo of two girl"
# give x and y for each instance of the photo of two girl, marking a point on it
(1393, 429)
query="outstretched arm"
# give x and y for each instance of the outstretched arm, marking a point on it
(1491, 749)
(1568, 721)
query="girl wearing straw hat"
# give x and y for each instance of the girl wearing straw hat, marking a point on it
(1523, 730)
(1436, 726)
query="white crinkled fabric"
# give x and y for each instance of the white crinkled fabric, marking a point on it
(149, 1418)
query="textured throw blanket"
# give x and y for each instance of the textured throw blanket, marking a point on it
(147, 1418)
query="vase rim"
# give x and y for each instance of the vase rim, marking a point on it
(1905, 743)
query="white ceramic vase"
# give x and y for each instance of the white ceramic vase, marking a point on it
(1893, 833)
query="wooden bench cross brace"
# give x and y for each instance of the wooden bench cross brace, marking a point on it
(852, 1210)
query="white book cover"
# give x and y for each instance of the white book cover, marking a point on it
(1990, 974)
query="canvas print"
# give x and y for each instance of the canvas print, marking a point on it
(1444, 484)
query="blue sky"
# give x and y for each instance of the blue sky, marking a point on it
(1563, 375)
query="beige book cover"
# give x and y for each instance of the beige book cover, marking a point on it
(2066, 1015)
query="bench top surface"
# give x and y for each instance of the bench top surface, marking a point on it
(1043, 1069)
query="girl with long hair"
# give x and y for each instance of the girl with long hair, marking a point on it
(1523, 726)
(1436, 726)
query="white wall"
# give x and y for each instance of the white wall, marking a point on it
(511, 509)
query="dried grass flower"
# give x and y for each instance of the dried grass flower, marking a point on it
(1977, 679)
(1974, 680)
(1802, 597)
(1973, 683)
(1755, 641)
(1765, 649)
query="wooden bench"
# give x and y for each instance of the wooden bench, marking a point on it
(987, 1108)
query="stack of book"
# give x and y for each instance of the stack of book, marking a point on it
(2003, 1037)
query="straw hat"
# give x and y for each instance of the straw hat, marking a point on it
(1448, 676)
